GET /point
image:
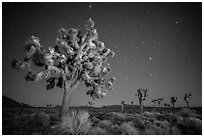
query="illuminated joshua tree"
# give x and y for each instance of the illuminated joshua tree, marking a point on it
(75, 59)
(154, 101)
(187, 98)
(122, 105)
(173, 100)
(141, 94)
(159, 100)
(90, 103)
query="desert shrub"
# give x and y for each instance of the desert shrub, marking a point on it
(138, 123)
(190, 126)
(148, 114)
(105, 124)
(127, 129)
(54, 119)
(171, 117)
(116, 130)
(151, 119)
(97, 131)
(95, 121)
(185, 112)
(152, 129)
(39, 119)
(75, 123)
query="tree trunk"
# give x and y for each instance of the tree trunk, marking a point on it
(141, 105)
(66, 99)
(187, 104)
(122, 108)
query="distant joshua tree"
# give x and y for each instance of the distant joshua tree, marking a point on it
(159, 100)
(90, 103)
(154, 101)
(132, 103)
(187, 98)
(173, 100)
(141, 94)
(165, 105)
(75, 59)
(122, 105)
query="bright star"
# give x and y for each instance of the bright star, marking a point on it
(90, 6)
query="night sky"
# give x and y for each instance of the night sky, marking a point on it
(157, 45)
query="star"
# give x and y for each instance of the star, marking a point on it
(150, 58)
(177, 22)
(90, 6)
(150, 74)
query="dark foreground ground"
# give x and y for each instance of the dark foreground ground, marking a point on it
(106, 120)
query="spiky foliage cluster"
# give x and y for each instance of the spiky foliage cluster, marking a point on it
(142, 93)
(154, 101)
(166, 105)
(75, 57)
(159, 100)
(91, 103)
(122, 102)
(75, 123)
(173, 100)
(187, 98)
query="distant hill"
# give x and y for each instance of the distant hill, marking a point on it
(8, 103)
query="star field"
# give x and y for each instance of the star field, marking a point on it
(157, 46)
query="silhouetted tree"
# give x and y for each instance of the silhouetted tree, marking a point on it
(132, 103)
(122, 105)
(187, 98)
(159, 100)
(154, 101)
(173, 100)
(141, 94)
(74, 59)
(90, 103)
(165, 105)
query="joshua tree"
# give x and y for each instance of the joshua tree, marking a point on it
(159, 100)
(141, 94)
(165, 105)
(132, 103)
(187, 98)
(90, 103)
(122, 105)
(173, 100)
(75, 59)
(154, 101)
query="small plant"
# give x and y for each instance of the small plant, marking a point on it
(141, 94)
(75, 123)
(173, 100)
(187, 98)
